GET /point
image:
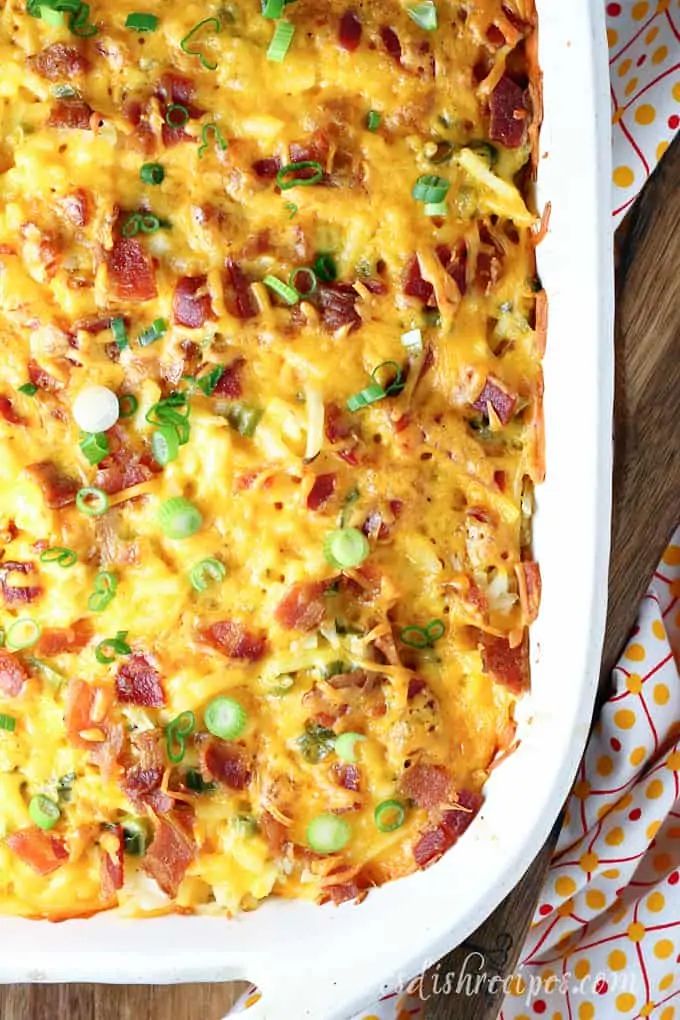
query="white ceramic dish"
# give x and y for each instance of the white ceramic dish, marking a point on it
(323, 963)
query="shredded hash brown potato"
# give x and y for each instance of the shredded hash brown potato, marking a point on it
(306, 270)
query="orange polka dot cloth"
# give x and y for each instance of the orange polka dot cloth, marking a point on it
(644, 58)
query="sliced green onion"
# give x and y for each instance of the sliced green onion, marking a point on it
(424, 15)
(80, 22)
(325, 267)
(217, 26)
(179, 518)
(7, 722)
(397, 384)
(389, 815)
(59, 554)
(345, 744)
(141, 223)
(176, 733)
(92, 501)
(54, 676)
(166, 412)
(281, 40)
(220, 140)
(135, 836)
(226, 718)
(309, 284)
(413, 341)
(29, 388)
(44, 812)
(422, 637)
(328, 834)
(127, 405)
(292, 209)
(140, 22)
(210, 379)
(176, 115)
(244, 418)
(430, 188)
(201, 574)
(119, 333)
(23, 633)
(95, 446)
(152, 173)
(154, 332)
(272, 8)
(373, 120)
(286, 293)
(51, 17)
(346, 547)
(369, 395)
(105, 587)
(165, 445)
(299, 182)
(107, 650)
(436, 209)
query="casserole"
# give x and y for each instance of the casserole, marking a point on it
(295, 952)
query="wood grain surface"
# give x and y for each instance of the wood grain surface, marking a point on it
(646, 507)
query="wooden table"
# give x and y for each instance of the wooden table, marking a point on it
(646, 507)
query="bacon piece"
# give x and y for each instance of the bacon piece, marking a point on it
(229, 383)
(42, 379)
(506, 665)
(121, 470)
(58, 489)
(175, 89)
(437, 840)
(113, 863)
(337, 303)
(342, 892)
(105, 753)
(338, 424)
(274, 831)
(95, 325)
(428, 785)
(170, 854)
(144, 777)
(233, 640)
(391, 42)
(8, 413)
(80, 698)
(455, 263)
(59, 62)
(131, 271)
(36, 848)
(57, 640)
(508, 110)
(502, 400)
(78, 207)
(349, 31)
(348, 776)
(244, 302)
(71, 113)
(139, 683)
(529, 586)
(14, 594)
(191, 304)
(416, 686)
(321, 491)
(414, 284)
(225, 762)
(267, 168)
(13, 674)
(303, 607)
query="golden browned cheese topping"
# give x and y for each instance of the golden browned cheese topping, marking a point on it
(270, 420)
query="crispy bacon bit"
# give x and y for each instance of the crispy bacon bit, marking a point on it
(303, 608)
(342, 892)
(139, 683)
(507, 666)
(42, 379)
(71, 113)
(508, 109)
(414, 284)
(58, 489)
(113, 862)
(337, 303)
(437, 840)
(349, 31)
(267, 168)
(144, 777)
(244, 306)
(321, 491)
(416, 686)
(229, 384)
(502, 400)
(529, 587)
(275, 833)
(121, 470)
(170, 854)
(225, 762)
(105, 753)
(233, 640)
(428, 785)
(391, 42)
(8, 413)
(131, 271)
(59, 62)
(57, 640)
(455, 263)
(78, 207)
(338, 424)
(36, 848)
(495, 36)
(348, 776)
(16, 594)
(191, 304)
(80, 698)
(13, 674)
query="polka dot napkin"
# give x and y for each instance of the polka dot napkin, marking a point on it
(605, 941)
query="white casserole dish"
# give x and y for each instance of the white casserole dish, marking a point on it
(324, 963)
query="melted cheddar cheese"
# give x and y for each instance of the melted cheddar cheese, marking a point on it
(156, 289)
